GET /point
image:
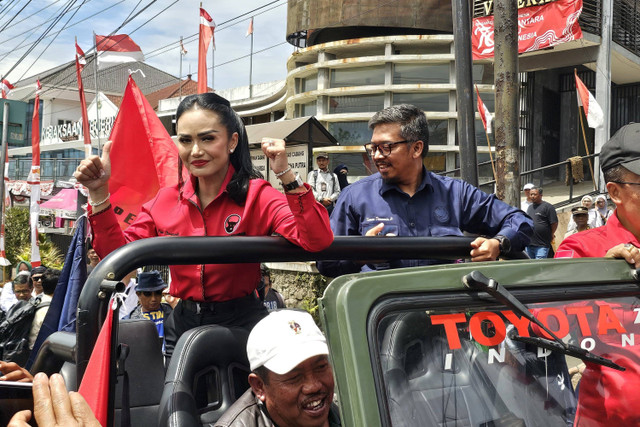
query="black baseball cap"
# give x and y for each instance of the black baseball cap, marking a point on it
(623, 149)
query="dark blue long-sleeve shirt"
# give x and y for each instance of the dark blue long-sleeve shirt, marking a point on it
(441, 206)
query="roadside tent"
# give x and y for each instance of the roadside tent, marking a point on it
(63, 205)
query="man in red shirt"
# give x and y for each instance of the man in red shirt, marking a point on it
(605, 397)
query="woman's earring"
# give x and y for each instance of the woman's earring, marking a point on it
(230, 151)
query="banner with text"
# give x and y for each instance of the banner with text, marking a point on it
(539, 27)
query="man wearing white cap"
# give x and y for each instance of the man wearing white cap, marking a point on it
(291, 379)
(527, 201)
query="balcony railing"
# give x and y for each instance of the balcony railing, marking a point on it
(50, 169)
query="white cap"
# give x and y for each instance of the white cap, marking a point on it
(528, 186)
(283, 340)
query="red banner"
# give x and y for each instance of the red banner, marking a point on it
(539, 27)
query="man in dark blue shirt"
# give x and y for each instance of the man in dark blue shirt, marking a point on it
(404, 199)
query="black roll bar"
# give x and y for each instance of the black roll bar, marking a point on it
(92, 304)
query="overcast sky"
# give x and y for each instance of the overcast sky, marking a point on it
(180, 19)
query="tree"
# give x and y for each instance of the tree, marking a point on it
(18, 240)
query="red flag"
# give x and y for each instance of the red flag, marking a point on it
(207, 26)
(144, 158)
(34, 178)
(95, 383)
(593, 111)
(117, 49)
(5, 87)
(80, 63)
(183, 51)
(250, 29)
(485, 115)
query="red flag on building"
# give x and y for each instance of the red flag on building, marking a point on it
(117, 49)
(80, 63)
(207, 27)
(5, 87)
(95, 383)
(143, 156)
(34, 178)
(593, 111)
(485, 115)
(250, 29)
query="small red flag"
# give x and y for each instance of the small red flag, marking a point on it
(144, 158)
(5, 87)
(250, 29)
(593, 111)
(485, 115)
(117, 49)
(80, 63)
(95, 383)
(34, 178)
(207, 27)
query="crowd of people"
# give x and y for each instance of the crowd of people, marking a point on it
(221, 194)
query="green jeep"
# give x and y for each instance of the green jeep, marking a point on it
(464, 344)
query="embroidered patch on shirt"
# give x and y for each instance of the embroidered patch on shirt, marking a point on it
(442, 214)
(231, 223)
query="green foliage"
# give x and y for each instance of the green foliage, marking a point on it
(17, 232)
(317, 284)
(50, 255)
(18, 240)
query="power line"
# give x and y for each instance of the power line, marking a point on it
(54, 38)
(33, 14)
(15, 16)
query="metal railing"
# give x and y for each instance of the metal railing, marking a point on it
(540, 177)
(50, 169)
(626, 24)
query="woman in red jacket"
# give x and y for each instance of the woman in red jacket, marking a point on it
(223, 196)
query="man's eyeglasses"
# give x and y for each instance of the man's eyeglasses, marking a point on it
(384, 148)
(625, 182)
(149, 293)
(21, 292)
(36, 278)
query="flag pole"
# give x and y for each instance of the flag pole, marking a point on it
(180, 76)
(213, 67)
(251, 64)
(95, 77)
(493, 167)
(584, 138)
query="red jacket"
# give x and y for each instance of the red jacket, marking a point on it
(297, 217)
(607, 396)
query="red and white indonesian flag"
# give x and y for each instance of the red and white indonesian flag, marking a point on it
(34, 179)
(7, 200)
(207, 27)
(485, 115)
(117, 49)
(250, 29)
(595, 116)
(80, 57)
(5, 87)
(539, 27)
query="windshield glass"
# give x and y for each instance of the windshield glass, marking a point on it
(458, 367)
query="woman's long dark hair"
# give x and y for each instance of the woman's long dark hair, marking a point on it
(240, 158)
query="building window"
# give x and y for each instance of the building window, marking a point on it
(483, 74)
(424, 101)
(355, 104)
(362, 76)
(350, 133)
(309, 83)
(420, 73)
(308, 109)
(438, 132)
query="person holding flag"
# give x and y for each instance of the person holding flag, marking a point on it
(223, 195)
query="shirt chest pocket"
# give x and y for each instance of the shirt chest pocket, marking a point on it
(443, 230)
(390, 227)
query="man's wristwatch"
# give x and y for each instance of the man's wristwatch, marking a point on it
(505, 244)
(293, 184)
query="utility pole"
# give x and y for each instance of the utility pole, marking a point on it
(464, 91)
(507, 88)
